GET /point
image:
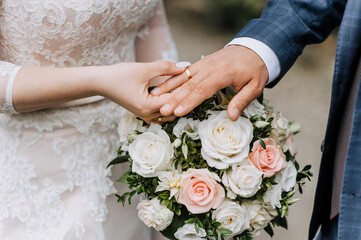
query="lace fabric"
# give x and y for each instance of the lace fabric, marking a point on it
(54, 181)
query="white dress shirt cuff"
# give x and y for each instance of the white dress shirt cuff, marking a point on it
(268, 56)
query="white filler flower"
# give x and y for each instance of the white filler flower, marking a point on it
(242, 180)
(153, 214)
(169, 180)
(188, 232)
(151, 152)
(225, 142)
(232, 216)
(187, 125)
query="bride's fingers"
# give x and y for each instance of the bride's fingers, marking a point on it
(169, 85)
(174, 82)
(163, 68)
(163, 119)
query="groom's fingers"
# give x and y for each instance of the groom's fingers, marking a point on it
(242, 99)
(174, 82)
(204, 90)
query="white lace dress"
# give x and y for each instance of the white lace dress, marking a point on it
(53, 178)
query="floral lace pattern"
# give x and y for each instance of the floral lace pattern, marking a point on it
(54, 181)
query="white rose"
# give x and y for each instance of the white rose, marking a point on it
(225, 142)
(169, 180)
(153, 214)
(287, 177)
(254, 109)
(151, 152)
(285, 180)
(187, 125)
(260, 215)
(232, 216)
(274, 196)
(244, 180)
(280, 127)
(188, 232)
(128, 124)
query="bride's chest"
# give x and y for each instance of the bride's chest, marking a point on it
(49, 17)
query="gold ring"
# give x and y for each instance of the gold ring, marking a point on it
(188, 73)
(160, 119)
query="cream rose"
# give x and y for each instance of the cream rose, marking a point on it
(270, 160)
(254, 109)
(155, 215)
(188, 232)
(128, 124)
(199, 191)
(151, 152)
(280, 125)
(232, 216)
(187, 125)
(260, 214)
(225, 142)
(242, 180)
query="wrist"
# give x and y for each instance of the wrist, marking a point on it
(92, 79)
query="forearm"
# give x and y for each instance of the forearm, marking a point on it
(37, 88)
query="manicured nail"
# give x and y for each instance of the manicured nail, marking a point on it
(165, 108)
(155, 91)
(235, 113)
(182, 64)
(178, 110)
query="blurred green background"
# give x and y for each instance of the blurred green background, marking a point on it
(200, 27)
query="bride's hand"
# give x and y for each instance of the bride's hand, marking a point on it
(127, 84)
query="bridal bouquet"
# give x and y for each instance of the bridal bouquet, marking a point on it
(204, 176)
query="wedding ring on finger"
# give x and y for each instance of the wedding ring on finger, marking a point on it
(188, 73)
(160, 119)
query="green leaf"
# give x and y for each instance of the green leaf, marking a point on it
(269, 230)
(282, 222)
(191, 220)
(123, 179)
(306, 168)
(262, 143)
(178, 222)
(119, 159)
(259, 198)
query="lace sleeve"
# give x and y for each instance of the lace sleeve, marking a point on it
(154, 41)
(8, 73)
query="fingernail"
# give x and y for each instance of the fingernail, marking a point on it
(182, 64)
(235, 113)
(165, 108)
(178, 110)
(155, 91)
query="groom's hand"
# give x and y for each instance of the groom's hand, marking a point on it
(234, 65)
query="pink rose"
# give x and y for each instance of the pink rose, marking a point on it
(199, 191)
(291, 145)
(270, 160)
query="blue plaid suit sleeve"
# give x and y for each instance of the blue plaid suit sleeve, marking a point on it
(286, 26)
